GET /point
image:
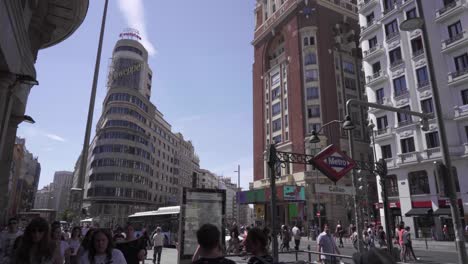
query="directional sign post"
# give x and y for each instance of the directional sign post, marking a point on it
(333, 163)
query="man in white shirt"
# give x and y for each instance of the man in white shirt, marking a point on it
(296, 231)
(158, 243)
(326, 244)
(7, 241)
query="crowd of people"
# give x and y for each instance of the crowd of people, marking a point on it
(44, 243)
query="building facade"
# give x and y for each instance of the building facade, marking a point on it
(397, 74)
(44, 198)
(207, 180)
(136, 163)
(62, 188)
(231, 200)
(24, 178)
(306, 66)
(28, 26)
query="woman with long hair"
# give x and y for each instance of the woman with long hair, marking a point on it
(35, 247)
(256, 243)
(85, 243)
(132, 247)
(101, 250)
(74, 244)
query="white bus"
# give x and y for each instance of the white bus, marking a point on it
(165, 217)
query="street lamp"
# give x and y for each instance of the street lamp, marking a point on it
(238, 189)
(410, 25)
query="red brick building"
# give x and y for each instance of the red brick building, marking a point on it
(306, 66)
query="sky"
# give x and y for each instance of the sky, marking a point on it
(201, 59)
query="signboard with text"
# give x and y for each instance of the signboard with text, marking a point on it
(333, 163)
(199, 207)
(334, 189)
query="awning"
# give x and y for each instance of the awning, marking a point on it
(443, 211)
(419, 212)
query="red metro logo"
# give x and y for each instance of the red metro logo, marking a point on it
(333, 163)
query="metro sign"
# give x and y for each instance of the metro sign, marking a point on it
(333, 163)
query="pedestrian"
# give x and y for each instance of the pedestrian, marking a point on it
(365, 238)
(57, 238)
(354, 237)
(371, 234)
(133, 249)
(401, 231)
(74, 244)
(256, 244)
(158, 243)
(296, 232)
(326, 244)
(267, 233)
(339, 231)
(209, 249)
(445, 232)
(381, 237)
(434, 232)
(85, 243)
(34, 246)
(408, 245)
(85, 230)
(286, 237)
(7, 240)
(102, 250)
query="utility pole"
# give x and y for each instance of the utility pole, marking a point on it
(92, 100)
(272, 164)
(238, 191)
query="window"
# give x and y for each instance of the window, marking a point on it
(423, 78)
(418, 182)
(313, 111)
(286, 121)
(417, 46)
(275, 79)
(276, 109)
(391, 29)
(411, 13)
(350, 83)
(464, 95)
(466, 133)
(370, 18)
(277, 139)
(426, 106)
(448, 2)
(391, 182)
(395, 56)
(376, 67)
(306, 41)
(312, 93)
(404, 118)
(455, 29)
(312, 41)
(461, 62)
(379, 95)
(372, 42)
(407, 145)
(399, 86)
(389, 4)
(310, 58)
(276, 125)
(313, 126)
(286, 104)
(275, 93)
(311, 75)
(386, 151)
(432, 140)
(382, 122)
(348, 67)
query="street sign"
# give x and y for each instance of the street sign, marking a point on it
(334, 189)
(333, 163)
(318, 213)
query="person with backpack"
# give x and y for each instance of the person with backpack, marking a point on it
(209, 249)
(256, 243)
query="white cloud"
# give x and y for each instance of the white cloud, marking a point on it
(133, 12)
(55, 137)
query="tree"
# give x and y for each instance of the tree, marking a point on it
(67, 215)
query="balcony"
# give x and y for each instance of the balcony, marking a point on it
(449, 11)
(390, 163)
(392, 9)
(396, 64)
(433, 153)
(423, 86)
(376, 78)
(405, 123)
(455, 42)
(383, 133)
(366, 5)
(458, 77)
(417, 53)
(410, 157)
(401, 94)
(370, 53)
(370, 27)
(392, 36)
(461, 112)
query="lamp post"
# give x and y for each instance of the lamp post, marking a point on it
(238, 189)
(410, 25)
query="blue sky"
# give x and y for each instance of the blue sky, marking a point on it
(202, 80)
